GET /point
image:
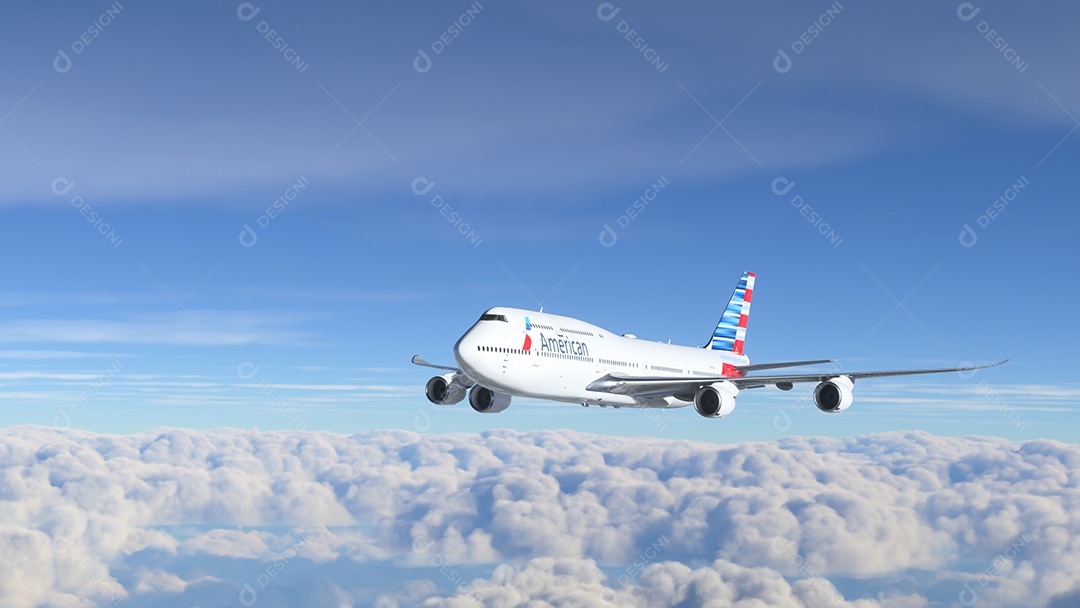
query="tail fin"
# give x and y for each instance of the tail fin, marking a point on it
(730, 332)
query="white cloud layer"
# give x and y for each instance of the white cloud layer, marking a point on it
(388, 518)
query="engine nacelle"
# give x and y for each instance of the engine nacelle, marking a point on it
(445, 390)
(716, 400)
(834, 395)
(487, 401)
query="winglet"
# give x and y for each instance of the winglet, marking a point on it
(730, 332)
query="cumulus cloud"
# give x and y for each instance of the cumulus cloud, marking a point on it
(577, 582)
(393, 518)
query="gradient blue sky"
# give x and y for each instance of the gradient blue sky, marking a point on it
(538, 124)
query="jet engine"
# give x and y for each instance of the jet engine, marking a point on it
(716, 400)
(487, 401)
(444, 390)
(834, 395)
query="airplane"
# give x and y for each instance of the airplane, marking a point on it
(514, 352)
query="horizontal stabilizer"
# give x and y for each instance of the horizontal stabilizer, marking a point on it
(754, 368)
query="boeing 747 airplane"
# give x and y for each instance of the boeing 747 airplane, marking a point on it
(514, 352)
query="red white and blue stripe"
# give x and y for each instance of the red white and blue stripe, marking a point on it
(730, 332)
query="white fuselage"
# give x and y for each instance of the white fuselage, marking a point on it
(561, 356)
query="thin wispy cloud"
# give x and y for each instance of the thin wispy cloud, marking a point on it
(187, 328)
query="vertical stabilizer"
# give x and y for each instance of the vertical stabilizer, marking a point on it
(730, 332)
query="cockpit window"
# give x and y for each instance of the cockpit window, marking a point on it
(491, 317)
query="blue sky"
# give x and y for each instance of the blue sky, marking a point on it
(538, 125)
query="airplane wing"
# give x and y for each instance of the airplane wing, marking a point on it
(645, 386)
(418, 360)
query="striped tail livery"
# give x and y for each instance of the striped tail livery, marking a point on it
(730, 332)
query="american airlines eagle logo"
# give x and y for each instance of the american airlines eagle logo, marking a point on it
(528, 340)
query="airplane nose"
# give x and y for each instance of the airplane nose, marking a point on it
(464, 351)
